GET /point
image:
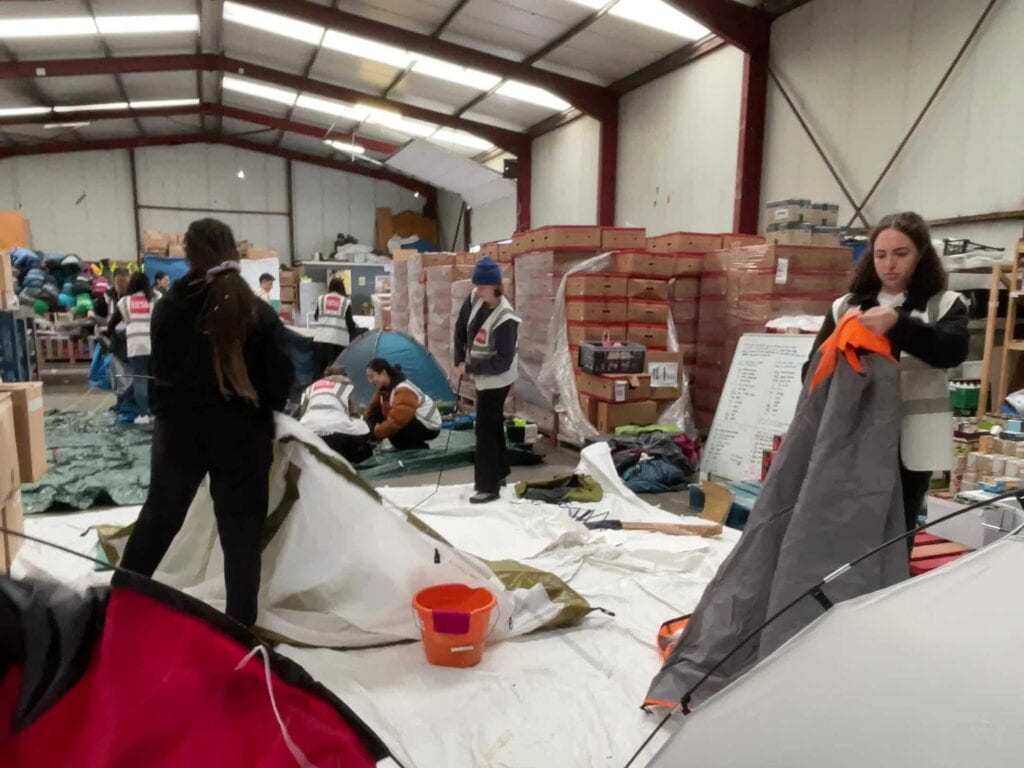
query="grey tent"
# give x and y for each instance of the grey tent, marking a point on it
(833, 493)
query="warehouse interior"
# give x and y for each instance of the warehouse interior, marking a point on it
(706, 316)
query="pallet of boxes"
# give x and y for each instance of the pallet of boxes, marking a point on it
(745, 286)
(801, 222)
(22, 457)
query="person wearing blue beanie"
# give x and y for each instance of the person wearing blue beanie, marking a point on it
(486, 339)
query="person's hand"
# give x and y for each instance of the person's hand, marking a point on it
(880, 320)
(854, 312)
(460, 370)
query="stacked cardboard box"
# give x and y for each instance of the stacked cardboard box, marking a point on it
(288, 284)
(742, 288)
(27, 401)
(11, 516)
(417, 286)
(400, 290)
(439, 301)
(798, 221)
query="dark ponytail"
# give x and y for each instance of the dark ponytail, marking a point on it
(228, 314)
(394, 371)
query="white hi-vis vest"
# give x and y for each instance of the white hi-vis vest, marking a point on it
(426, 410)
(927, 420)
(481, 346)
(325, 409)
(137, 312)
(331, 327)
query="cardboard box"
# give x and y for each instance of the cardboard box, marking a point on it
(623, 237)
(439, 260)
(612, 415)
(686, 333)
(584, 237)
(782, 211)
(288, 294)
(650, 336)
(14, 230)
(688, 263)
(826, 237)
(824, 215)
(588, 405)
(685, 287)
(665, 370)
(596, 309)
(643, 264)
(466, 259)
(505, 253)
(176, 250)
(8, 298)
(27, 401)
(646, 288)
(790, 233)
(611, 286)
(12, 517)
(522, 242)
(260, 253)
(10, 477)
(488, 249)
(288, 277)
(684, 242)
(735, 240)
(651, 312)
(615, 389)
(156, 242)
(688, 352)
(579, 332)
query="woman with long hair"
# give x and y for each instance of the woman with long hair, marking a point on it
(334, 326)
(400, 411)
(899, 291)
(134, 310)
(220, 369)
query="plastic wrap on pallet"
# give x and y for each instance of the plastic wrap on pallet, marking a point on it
(558, 371)
(417, 289)
(400, 295)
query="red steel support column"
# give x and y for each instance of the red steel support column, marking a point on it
(523, 188)
(607, 168)
(750, 154)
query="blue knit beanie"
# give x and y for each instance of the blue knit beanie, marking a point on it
(487, 272)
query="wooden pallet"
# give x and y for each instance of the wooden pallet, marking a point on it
(64, 349)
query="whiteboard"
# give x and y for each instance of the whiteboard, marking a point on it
(758, 402)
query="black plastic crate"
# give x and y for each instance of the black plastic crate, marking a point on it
(17, 348)
(624, 358)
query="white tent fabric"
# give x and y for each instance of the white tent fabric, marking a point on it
(924, 674)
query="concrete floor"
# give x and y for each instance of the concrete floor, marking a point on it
(67, 389)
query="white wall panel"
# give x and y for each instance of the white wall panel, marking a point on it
(860, 73)
(564, 175)
(327, 202)
(77, 202)
(494, 221)
(677, 148)
(449, 210)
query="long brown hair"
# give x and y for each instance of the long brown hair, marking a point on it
(229, 309)
(929, 276)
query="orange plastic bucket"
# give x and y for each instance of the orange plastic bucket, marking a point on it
(454, 620)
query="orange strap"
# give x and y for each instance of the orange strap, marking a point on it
(849, 337)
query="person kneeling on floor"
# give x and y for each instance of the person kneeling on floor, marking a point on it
(325, 410)
(400, 412)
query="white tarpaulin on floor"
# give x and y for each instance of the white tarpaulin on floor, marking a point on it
(567, 697)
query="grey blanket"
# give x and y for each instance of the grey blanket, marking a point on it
(833, 493)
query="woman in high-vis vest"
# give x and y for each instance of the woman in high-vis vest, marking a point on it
(333, 327)
(325, 410)
(135, 311)
(486, 335)
(400, 412)
(899, 290)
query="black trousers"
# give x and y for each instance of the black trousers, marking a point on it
(410, 437)
(490, 461)
(324, 354)
(236, 452)
(355, 448)
(915, 489)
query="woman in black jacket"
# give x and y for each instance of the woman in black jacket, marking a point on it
(220, 369)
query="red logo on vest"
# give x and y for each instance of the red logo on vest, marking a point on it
(138, 305)
(481, 337)
(323, 384)
(332, 303)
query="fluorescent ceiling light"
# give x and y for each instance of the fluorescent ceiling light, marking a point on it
(67, 125)
(92, 107)
(342, 146)
(19, 111)
(280, 95)
(367, 49)
(163, 103)
(272, 22)
(336, 108)
(55, 26)
(532, 95)
(396, 122)
(474, 78)
(144, 25)
(653, 13)
(452, 136)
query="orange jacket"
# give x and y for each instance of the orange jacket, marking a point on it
(393, 409)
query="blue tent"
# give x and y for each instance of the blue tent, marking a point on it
(417, 364)
(175, 268)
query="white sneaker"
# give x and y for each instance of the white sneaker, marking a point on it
(143, 420)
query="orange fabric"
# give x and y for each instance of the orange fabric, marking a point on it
(396, 409)
(669, 634)
(849, 338)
